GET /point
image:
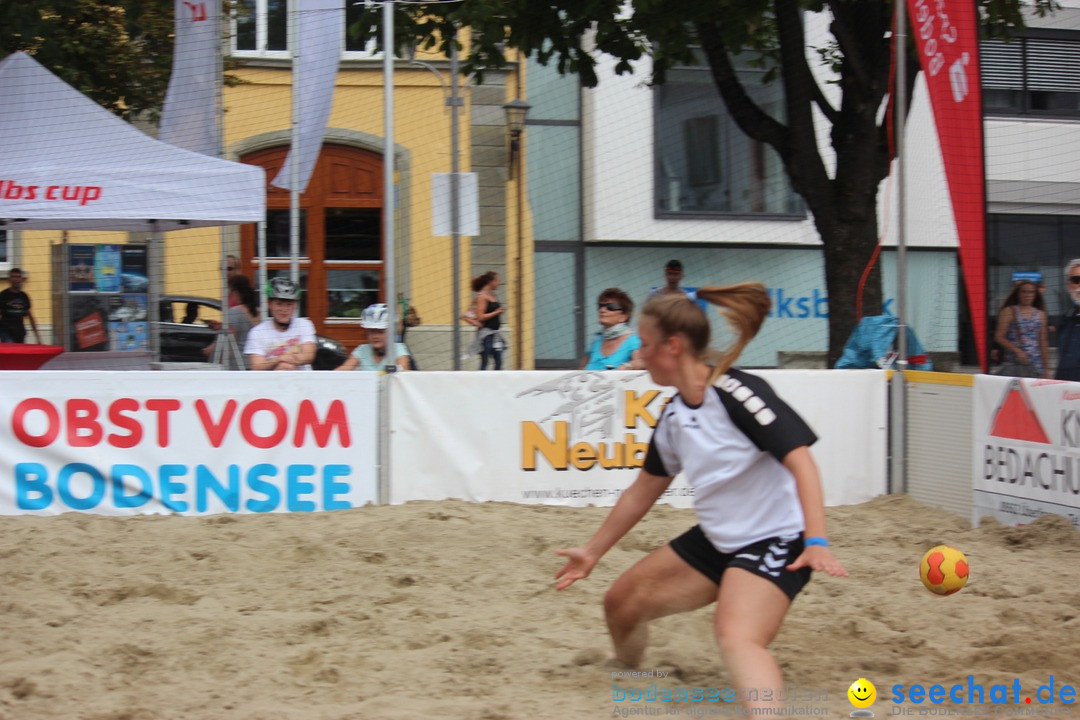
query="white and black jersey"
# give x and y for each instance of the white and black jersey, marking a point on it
(730, 449)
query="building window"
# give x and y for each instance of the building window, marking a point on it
(1032, 75)
(4, 248)
(1030, 243)
(704, 162)
(260, 28)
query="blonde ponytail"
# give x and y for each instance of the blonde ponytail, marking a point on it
(745, 306)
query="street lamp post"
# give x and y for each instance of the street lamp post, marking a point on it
(517, 110)
(454, 102)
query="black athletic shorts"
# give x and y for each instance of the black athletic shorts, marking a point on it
(767, 558)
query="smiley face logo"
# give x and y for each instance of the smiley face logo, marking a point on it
(862, 693)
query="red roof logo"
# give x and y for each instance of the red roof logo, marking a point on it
(1015, 418)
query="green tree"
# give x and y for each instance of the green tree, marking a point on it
(843, 203)
(118, 53)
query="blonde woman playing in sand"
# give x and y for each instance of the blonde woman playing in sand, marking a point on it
(757, 496)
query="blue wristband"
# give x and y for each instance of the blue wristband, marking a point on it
(811, 541)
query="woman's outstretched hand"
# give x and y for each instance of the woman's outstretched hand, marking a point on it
(579, 563)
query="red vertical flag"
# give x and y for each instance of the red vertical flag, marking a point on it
(947, 37)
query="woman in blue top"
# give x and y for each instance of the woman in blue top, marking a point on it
(615, 344)
(1022, 332)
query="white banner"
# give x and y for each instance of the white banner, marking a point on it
(442, 204)
(1026, 449)
(320, 39)
(190, 117)
(127, 443)
(578, 438)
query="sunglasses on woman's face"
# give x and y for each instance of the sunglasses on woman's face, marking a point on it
(1074, 279)
(613, 307)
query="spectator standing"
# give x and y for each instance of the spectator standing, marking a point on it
(232, 266)
(673, 275)
(15, 310)
(243, 314)
(1068, 335)
(1021, 332)
(282, 341)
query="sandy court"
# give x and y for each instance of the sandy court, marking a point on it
(447, 610)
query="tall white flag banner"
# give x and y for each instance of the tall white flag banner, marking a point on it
(320, 35)
(190, 118)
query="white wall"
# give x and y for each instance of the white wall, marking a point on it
(1031, 166)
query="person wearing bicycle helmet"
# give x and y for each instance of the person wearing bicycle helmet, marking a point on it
(282, 341)
(372, 355)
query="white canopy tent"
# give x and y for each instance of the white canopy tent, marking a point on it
(66, 163)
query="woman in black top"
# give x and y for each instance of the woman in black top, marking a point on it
(486, 312)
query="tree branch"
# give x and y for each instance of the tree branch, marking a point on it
(846, 30)
(805, 165)
(750, 118)
(831, 114)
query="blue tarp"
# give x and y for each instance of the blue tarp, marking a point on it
(873, 345)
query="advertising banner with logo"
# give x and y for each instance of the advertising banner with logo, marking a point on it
(947, 37)
(578, 438)
(1027, 449)
(142, 443)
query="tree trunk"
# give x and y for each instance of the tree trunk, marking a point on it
(849, 248)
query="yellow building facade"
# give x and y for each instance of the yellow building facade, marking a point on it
(341, 260)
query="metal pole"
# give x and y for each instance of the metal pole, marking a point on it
(519, 324)
(62, 335)
(517, 157)
(455, 202)
(389, 199)
(155, 269)
(294, 151)
(225, 346)
(260, 239)
(899, 400)
(899, 121)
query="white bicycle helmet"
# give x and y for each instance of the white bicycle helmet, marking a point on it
(282, 288)
(374, 317)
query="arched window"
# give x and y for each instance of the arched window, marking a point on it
(341, 267)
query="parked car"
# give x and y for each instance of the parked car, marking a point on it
(183, 337)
